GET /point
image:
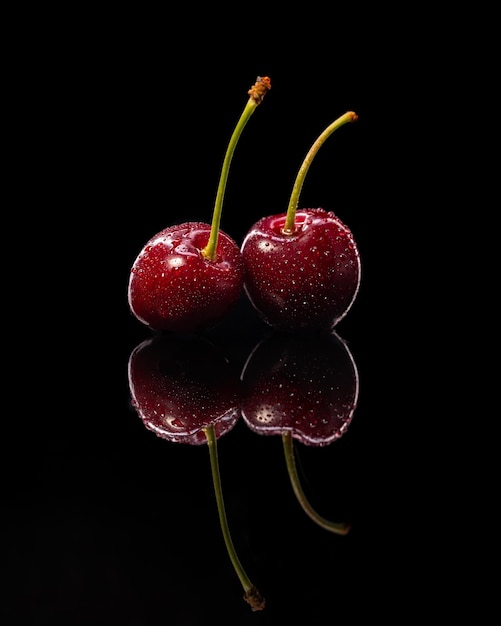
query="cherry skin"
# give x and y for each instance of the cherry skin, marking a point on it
(174, 287)
(307, 279)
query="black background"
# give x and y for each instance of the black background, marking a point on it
(122, 126)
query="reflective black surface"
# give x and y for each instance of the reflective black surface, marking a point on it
(107, 518)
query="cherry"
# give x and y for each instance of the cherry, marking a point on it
(185, 390)
(302, 267)
(188, 275)
(303, 387)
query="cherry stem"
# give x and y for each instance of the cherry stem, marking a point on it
(252, 595)
(256, 95)
(339, 528)
(290, 219)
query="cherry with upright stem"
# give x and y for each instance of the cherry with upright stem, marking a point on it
(188, 276)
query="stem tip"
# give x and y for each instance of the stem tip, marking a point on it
(260, 88)
(255, 599)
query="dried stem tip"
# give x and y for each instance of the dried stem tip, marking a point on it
(260, 88)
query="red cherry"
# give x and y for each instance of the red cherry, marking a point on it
(186, 391)
(174, 287)
(304, 280)
(188, 276)
(302, 267)
(304, 388)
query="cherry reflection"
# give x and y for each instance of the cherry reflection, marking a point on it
(183, 385)
(303, 387)
(186, 391)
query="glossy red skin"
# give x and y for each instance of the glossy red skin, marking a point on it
(305, 384)
(181, 384)
(173, 287)
(306, 280)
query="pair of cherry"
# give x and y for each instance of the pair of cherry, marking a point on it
(301, 387)
(300, 269)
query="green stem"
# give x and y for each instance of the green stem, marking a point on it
(252, 595)
(256, 95)
(338, 528)
(289, 225)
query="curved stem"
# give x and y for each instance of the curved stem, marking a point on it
(289, 225)
(334, 527)
(256, 95)
(252, 595)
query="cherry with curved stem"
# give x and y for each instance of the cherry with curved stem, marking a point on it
(188, 275)
(181, 398)
(302, 267)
